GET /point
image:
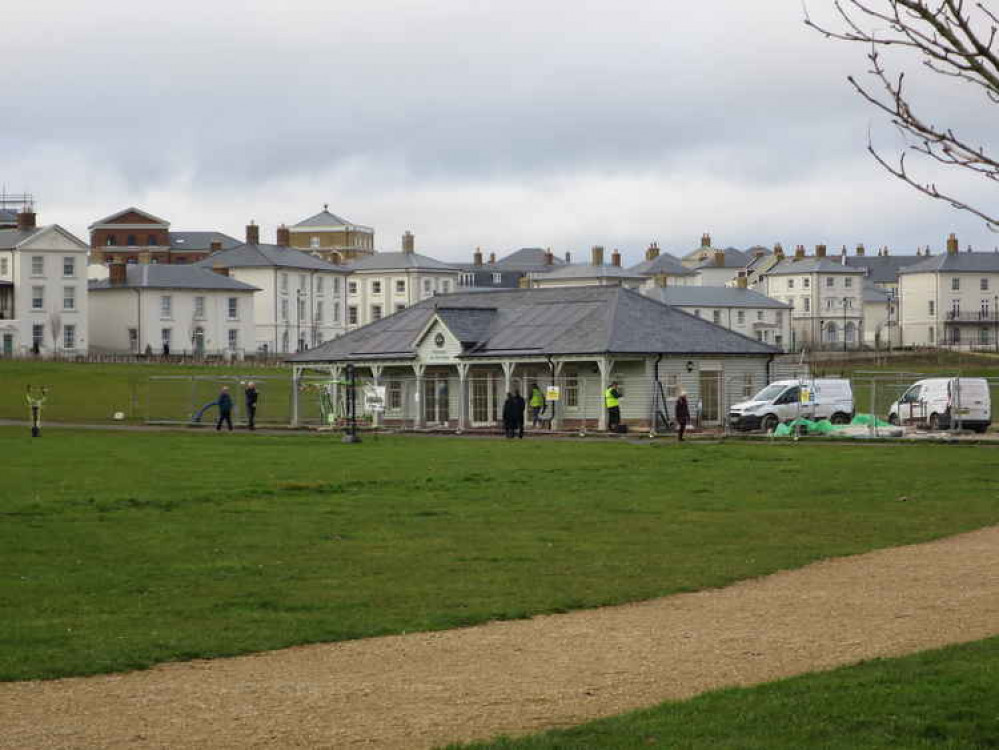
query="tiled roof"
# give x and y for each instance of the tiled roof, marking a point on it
(568, 320)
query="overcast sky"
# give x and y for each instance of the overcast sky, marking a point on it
(469, 122)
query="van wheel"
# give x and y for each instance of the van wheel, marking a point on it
(893, 419)
(840, 418)
(934, 421)
(768, 423)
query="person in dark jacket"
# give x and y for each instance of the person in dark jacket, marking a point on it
(225, 409)
(251, 404)
(520, 405)
(509, 416)
(682, 410)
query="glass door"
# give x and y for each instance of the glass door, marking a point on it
(710, 382)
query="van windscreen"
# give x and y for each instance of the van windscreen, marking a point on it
(769, 393)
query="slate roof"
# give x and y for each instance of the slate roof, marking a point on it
(541, 322)
(956, 263)
(163, 276)
(733, 259)
(11, 238)
(267, 256)
(130, 209)
(200, 240)
(874, 294)
(882, 269)
(713, 296)
(8, 216)
(397, 261)
(528, 259)
(790, 267)
(665, 263)
(589, 271)
(326, 219)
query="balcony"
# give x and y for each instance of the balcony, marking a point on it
(978, 316)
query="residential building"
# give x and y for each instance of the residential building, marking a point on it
(332, 238)
(881, 321)
(43, 289)
(383, 284)
(595, 273)
(663, 269)
(951, 299)
(720, 267)
(136, 236)
(882, 269)
(705, 253)
(736, 308)
(448, 362)
(826, 299)
(171, 309)
(302, 300)
(513, 271)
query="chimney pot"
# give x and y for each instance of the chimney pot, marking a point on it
(653, 252)
(705, 240)
(283, 237)
(492, 258)
(408, 242)
(26, 219)
(799, 252)
(616, 258)
(116, 273)
(820, 251)
(252, 234)
(779, 251)
(477, 257)
(952, 245)
(597, 255)
(860, 250)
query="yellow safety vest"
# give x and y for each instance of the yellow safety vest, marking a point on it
(610, 399)
(537, 399)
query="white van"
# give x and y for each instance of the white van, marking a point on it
(929, 403)
(783, 400)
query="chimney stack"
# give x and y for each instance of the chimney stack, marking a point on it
(549, 258)
(860, 250)
(215, 246)
(820, 251)
(705, 240)
(653, 252)
(616, 258)
(283, 236)
(779, 251)
(26, 219)
(408, 242)
(492, 258)
(218, 268)
(741, 281)
(952, 244)
(597, 255)
(720, 258)
(568, 257)
(252, 234)
(477, 257)
(116, 273)
(799, 253)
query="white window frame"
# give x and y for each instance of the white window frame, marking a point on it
(38, 298)
(232, 308)
(199, 307)
(233, 339)
(166, 307)
(69, 261)
(69, 298)
(37, 265)
(69, 336)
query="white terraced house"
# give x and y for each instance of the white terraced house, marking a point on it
(43, 290)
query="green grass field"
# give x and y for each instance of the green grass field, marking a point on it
(937, 699)
(124, 549)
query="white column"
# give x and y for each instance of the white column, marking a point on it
(376, 380)
(605, 365)
(462, 396)
(418, 371)
(508, 368)
(558, 406)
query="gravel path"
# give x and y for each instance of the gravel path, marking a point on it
(423, 690)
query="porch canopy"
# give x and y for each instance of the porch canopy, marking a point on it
(611, 331)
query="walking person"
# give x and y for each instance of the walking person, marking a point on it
(612, 400)
(225, 409)
(519, 406)
(537, 404)
(682, 410)
(509, 416)
(251, 395)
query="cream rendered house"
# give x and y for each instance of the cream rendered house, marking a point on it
(43, 290)
(951, 300)
(302, 299)
(386, 283)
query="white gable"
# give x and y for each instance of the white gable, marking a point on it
(437, 344)
(53, 237)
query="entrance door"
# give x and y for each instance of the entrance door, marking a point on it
(435, 400)
(483, 397)
(8, 345)
(710, 396)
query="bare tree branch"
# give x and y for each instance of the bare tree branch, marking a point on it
(949, 40)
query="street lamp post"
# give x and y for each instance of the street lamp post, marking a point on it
(995, 321)
(845, 299)
(298, 320)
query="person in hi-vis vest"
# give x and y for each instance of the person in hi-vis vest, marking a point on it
(612, 400)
